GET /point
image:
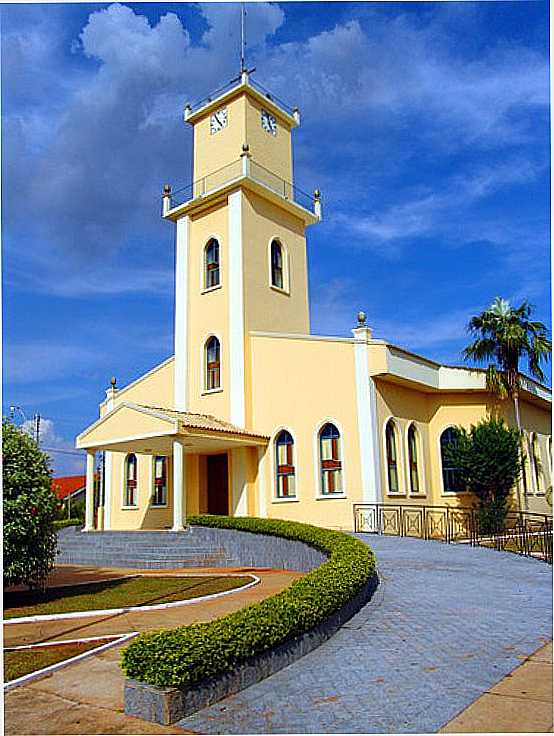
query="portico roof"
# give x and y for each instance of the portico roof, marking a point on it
(149, 429)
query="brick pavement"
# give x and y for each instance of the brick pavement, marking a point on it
(445, 625)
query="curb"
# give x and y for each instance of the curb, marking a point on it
(132, 609)
(170, 704)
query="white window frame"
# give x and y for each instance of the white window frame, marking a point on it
(124, 506)
(285, 289)
(273, 464)
(208, 289)
(317, 461)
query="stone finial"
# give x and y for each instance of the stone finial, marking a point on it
(113, 381)
(317, 195)
(167, 190)
(245, 148)
(362, 319)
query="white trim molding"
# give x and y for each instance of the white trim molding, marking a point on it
(317, 460)
(181, 312)
(237, 397)
(108, 485)
(273, 465)
(366, 429)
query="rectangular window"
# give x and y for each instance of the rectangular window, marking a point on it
(159, 497)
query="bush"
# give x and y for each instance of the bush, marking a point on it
(30, 507)
(62, 523)
(189, 654)
(489, 459)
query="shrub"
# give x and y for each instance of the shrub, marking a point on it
(489, 459)
(30, 507)
(189, 654)
(62, 523)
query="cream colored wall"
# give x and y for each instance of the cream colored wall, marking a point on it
(433, 413)
(147, 516)
(267, 308)
(208, 312)
(298, 386)
(273, 152)
(156, 389)
(125, 424)
(212, 152)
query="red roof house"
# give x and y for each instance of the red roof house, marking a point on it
(70, 485)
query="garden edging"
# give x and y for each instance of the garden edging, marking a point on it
(166, 705)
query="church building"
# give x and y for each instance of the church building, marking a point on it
(253, 415)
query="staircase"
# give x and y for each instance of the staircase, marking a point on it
(140, 549)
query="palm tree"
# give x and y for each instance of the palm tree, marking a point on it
(504, 335)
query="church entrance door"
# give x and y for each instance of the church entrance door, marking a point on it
(218, 485)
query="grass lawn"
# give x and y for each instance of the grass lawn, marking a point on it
(137, 591)
(23, 661)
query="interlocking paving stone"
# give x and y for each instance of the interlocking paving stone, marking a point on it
(446, 623)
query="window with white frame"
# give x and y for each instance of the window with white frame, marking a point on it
(159, 495)
(130, 490)
(392, 458)
(211, 264)
(284, 465)
(451, 478)
(413, 459)
(330, 459)
(536, 458)
(277, 265)
(212, 364)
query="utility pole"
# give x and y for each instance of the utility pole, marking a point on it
(37, 428)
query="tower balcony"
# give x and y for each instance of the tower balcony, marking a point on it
(247, 173)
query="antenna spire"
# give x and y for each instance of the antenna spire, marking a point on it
(242, 38)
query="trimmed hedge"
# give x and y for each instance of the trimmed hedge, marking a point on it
(61, 523)
(189, 654)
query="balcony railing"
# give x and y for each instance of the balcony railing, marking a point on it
(241, 168)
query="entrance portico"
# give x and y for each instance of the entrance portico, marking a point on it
(189, 444)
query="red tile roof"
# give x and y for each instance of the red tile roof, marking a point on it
(62, 487)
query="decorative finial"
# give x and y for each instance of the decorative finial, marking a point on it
(167, 190)
(113, 381)
(245, 147)
(361, 319)
(317, 194)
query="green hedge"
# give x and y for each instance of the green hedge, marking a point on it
(189, 654)
(61, 523)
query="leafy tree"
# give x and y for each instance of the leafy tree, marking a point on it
(30, 507)
(504, 335)
(489, 459)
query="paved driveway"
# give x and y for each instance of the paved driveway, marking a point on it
(446, 623)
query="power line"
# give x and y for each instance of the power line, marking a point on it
(65, 452)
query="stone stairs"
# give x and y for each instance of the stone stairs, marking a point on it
(141, 549)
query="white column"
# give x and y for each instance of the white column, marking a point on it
(262, 499)
(181, 310)
(108, 469)
(179, 487)
(89, 492)
(367, 419)
(236, 312)
(239, 481)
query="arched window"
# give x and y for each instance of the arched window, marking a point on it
(525, 463)
(159, 496)
(330, 457)
(213, 373)
(284, 453)
(211, 264)
(536, 457)
(277, 276)
(392, 465)
(451, 480)
(413, 459)
(131, 480)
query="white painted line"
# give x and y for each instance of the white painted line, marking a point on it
(131, 609)
(66, 662)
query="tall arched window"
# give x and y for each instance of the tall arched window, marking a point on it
(536, 457)
(525, 463)
(159, 496)
(284, 453)
(131, 495)
(330, 457)
(452, 482)
(213, 372)
(277, 276)
(413, 459)
(392, 464)
(211, 264)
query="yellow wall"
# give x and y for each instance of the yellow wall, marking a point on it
(274, 152)
(267, 308)
(298, 386)
(153, 389)
(208, 311)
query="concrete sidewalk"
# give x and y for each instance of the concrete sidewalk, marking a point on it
(87, 697)
(520, 703)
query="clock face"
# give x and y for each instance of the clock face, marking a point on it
(269, 123)
(218, 120)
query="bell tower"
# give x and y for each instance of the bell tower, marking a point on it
(240, 244)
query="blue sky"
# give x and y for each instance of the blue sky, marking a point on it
(425, 125)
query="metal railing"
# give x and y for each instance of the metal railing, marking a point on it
(235, 171)
(525, 533)
(197, 104)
